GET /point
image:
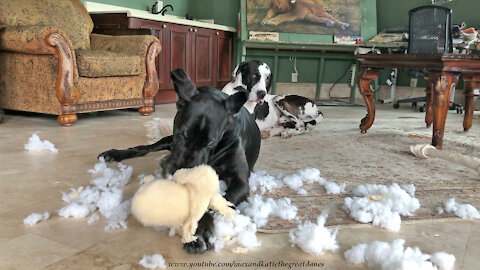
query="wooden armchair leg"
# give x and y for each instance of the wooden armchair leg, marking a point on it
(150, 89)
(67, 119)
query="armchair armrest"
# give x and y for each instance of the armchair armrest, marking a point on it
(32, 39)
(136, 45)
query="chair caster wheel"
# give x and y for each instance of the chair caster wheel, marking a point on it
(396, 105)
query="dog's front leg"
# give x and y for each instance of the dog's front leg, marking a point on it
(203, 234)
(115, 155)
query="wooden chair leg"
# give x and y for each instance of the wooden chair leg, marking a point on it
(471, 83)
(1, 116)
(443, 88)
(368, 96)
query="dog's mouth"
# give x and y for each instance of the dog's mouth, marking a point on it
(259, 101)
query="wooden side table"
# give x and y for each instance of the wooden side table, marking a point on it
(441, 71)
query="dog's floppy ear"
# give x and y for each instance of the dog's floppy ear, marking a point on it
(235, 102)
(270, 82)
(238, 69)
(183, 84)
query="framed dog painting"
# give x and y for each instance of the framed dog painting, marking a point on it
(304, 16)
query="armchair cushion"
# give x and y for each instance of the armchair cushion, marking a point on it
(135, 45)
(95, 64)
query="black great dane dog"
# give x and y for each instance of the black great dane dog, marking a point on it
(212, 128)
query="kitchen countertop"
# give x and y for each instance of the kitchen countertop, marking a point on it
(96, 8)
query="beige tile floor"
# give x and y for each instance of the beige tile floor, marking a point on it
(31, 182)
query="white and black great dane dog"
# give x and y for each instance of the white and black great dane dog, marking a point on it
(286, 115)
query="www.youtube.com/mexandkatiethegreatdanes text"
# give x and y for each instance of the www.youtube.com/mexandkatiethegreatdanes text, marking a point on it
(235, 264)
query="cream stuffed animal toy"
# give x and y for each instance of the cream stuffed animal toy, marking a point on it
(181, 202)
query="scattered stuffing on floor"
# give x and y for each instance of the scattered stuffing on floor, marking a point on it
(34, 218)
(465, 211)
(153, 261)
(265, 183)
(106, 195)
(393, 256)
(35, 144)
(241, 230)
(381, 205)
(314, 238)
(260, 210)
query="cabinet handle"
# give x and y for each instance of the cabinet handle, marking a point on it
(217, 33)
(195, 30)
(164, 26)
(191, 29)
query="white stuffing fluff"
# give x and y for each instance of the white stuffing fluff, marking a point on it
(393, 256)
(442, 260)
(334, 188)
(465, 211)
(106, 195)
(241, 230)
(381, 205)
(223, 187)
(153, 261)
(265, 183)
(93, 218)
(35, 144)
(314, 238)
(259, 210)
(34, 218)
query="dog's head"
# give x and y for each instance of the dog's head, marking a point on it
(256, 77)
(203, 115)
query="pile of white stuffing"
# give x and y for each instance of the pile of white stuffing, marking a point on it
(465, 211)
(393, 256)
(255, 212)
(34, 218)
(152, 262)
(264, 182)
(35, 144)
(382, 205)
(314, 238)
(105, 195)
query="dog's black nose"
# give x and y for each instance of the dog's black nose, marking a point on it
(261, 94)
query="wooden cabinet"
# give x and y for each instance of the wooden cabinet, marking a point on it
(205, 54)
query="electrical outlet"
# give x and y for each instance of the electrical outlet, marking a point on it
(294, 77)
(413, 82)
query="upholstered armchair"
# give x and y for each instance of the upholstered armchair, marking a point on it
(50, 62)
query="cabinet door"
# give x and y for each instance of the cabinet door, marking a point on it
(180, 50)
(203, 58)
(163, 75)
(224, 58)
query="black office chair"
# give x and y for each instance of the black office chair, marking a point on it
(430, 32)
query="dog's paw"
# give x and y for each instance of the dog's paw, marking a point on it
(112, 155)
(330, 23)
(286, 135)
(198, 246)
(265, 134)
